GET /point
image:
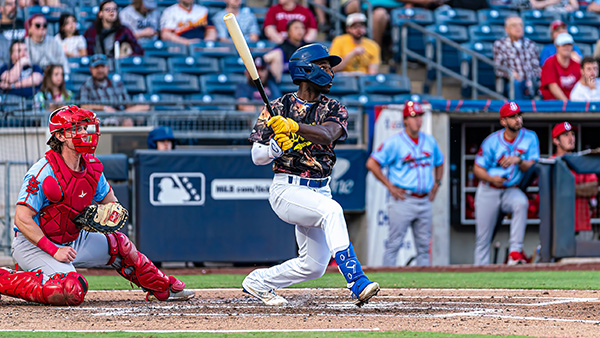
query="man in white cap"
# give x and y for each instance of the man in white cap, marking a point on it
(143, 19)
(560, 73)
(359, 54)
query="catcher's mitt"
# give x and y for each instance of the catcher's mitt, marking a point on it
(104, 218)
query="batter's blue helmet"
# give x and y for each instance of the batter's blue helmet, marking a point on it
(302, 68)
(160, 134)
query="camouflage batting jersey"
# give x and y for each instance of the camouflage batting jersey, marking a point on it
(305, 159)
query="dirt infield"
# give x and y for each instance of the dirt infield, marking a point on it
(499, 312)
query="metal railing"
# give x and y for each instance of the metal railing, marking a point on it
(439, 68)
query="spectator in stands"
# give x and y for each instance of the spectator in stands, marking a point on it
(558, 27)
(43, 50)
(161, 138)
(586, 185)
(245, 18)
(594, 6)
(73, 44)
(278, 16)
(187, 23)
(247, 91)
(588, 87)
(142, 18)
(4, 47)
(99, 88)
(359, 54)
(279, 57)
(53, 93)
(107, 30)
(20, 77)
(560, 73)
(518, 54)
(562, 6)
(11, 27)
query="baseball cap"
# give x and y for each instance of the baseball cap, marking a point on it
(98, 59)
(509, 109)
(563, 39)
(412, 109)
(557, 23)
(355, 18)
(560, 128)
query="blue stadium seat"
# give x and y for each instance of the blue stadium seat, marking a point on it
(287, 85)
(10, 103)
(80, 65)
(494, 16)
(361, 99)
(538, 33)
(537, 17)
(485, 72)
(212, 49)
(421, 98)
(116, 170)
(164, 49)
(166, 3)
(175, 102)
(583, 18)
(86, 15)
(74, 81)
(260, 13)
(455, 16)
(134, 83)
(486, 32)
(586, 50)
(211, 102)
(415, 39)
(232, 64)
(143, 65)
(52, 14)
(344, 85)
(170, 83)
(261, 47)
(584, 34)
(450, 57)
(385, 84)
(224, 84)
(193, 66)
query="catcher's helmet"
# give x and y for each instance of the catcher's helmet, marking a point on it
(67, 117)
(160, 134)
(302, 68)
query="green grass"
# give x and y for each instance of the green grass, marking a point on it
(394, 334)
(580, 280)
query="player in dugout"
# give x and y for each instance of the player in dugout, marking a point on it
(300, 140)
(65, 186)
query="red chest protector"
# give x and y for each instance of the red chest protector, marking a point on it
(69, 194)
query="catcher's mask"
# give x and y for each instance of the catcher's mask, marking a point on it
(80, 125)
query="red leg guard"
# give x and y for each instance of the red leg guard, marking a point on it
(61, 289)
(136, 267)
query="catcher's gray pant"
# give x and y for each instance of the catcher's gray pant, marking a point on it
(415, 212)
(320, 233)
(488, 203)
(91, 248)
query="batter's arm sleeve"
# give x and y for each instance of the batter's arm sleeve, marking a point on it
(260, 154)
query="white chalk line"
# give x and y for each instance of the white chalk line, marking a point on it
(207, 331)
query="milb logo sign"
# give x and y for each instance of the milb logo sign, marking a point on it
(168, 189)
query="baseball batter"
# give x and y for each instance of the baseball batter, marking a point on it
(49, 247)
(412, 182)
(300, 141)
(499, 165)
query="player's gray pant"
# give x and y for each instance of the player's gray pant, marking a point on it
(415, 212)
(91, 248)
(320, 232)
(488, 203)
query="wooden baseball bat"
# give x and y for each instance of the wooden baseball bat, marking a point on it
(242, 48)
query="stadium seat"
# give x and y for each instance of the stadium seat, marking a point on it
(212, 49)
(538, 33)
(584, 34)
(80, 65)
(164, 49)
(421, 98)
(344, 85)
(193, 66)
(74, 81)
(173, 83)
(134, 83)
(537, 17)
(166, 3)
(9, 103)
(52, 14)
(259, 13)
(210, 102)
(494, 16)
(415, 39)
(586, 50)
(584, 18)
(171, 101)
(86, 15)
(485, 72)
(486, 32)
(116, 171)
(233, 64)
(454, 16)
(224, 84)
(261, 47)
(143, 65)
(287, 85)
(362, 99)
(450, 57)
(384, 84)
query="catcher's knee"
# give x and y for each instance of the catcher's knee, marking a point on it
(69, 289)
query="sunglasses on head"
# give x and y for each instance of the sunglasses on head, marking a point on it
(41, 25)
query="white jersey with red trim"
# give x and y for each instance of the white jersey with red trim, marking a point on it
(186, 23)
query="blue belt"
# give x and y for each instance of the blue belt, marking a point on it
(309, 183)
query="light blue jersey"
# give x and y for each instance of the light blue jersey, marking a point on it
(410, 165)
(495, 147)
(32, 194)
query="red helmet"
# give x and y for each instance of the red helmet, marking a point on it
(72, 116)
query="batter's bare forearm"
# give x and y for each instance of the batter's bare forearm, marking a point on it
(325, 134)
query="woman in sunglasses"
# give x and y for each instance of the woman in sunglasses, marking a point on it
(43, 50)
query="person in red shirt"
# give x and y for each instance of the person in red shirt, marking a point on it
(586, 185)
(560, 73)
(277, 17)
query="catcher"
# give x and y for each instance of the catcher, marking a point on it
(59, 227)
